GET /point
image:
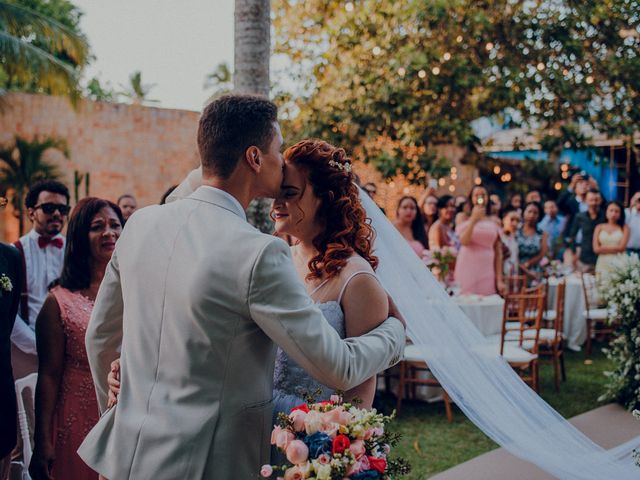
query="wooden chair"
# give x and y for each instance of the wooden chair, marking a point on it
(411, 367)
(596, 317)
(515, 283)
(551, 344)
(519, 340)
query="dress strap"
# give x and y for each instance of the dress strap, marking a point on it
(349, 278)
(322, 284)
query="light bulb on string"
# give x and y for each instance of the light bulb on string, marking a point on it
(348, 7)
(489, 46)
(422, 74)
(442, 182)
(452, 188)
(435, 70)
(557, 186)
(402, 72)
(496, 169)
(459, 39)
(589, 80)
(376, 50)
(478, 181)
(540, 66)
(446, 56)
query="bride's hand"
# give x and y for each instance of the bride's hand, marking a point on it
(394, 312)
(113, 379)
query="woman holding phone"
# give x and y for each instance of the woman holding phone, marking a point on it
(479, 263)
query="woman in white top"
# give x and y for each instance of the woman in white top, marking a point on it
(610, 239)
(632, 215)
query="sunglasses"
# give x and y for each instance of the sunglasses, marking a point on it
(49, 208)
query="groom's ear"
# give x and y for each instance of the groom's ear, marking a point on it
(253, 157)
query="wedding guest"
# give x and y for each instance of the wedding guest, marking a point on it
(532, 241)
(371, 190)
(166, 194)
(429, 209)
(479, 262)
(42, 254)
(610, 239)
(127, 204)
(496, 205)
(632, 215)
(516, 201)
(66, 405)
(442, 233)
(10, 288)
(553, 224)
(586, 222)
(573, 200)
(510, 224)
(463, 208)
(533, 196)
(410, 224)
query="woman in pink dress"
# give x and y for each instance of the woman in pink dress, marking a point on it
(479, 263)
(410, 224)
(66, 406)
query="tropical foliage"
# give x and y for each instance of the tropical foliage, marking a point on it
(22, 164)
(41, 47)
(137, 92)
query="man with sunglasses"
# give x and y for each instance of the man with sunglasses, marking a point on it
(42, 252)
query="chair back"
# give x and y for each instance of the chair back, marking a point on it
(590, 291)
(515, 283)
(559, 320)
(522, 317)
(22, 384)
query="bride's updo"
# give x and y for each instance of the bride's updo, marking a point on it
(346, 228)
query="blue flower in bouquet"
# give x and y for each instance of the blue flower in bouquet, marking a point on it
(318, 444)
(366, 475)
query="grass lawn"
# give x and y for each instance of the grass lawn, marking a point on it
(432, 445)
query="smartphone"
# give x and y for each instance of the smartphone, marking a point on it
(480, 200)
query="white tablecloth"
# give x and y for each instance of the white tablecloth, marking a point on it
(484, 312)
(575, 326)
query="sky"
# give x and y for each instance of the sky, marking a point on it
(175, 44)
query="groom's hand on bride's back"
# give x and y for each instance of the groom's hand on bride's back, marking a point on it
(113, 379)
(394, 312)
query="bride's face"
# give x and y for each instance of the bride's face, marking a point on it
(294, 210)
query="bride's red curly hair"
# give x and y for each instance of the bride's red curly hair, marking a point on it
(347, 229)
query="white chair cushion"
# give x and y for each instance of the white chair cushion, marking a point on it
(596, 313)
(512, 352)
(549, 315)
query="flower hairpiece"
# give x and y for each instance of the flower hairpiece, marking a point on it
(346, 166)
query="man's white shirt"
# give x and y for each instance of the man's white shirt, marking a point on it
(44, 265)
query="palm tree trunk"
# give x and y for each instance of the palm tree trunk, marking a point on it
(252, 52)
(252, 46)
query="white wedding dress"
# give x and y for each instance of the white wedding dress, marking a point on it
(470, 368)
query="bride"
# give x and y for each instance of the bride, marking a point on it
(466, 364)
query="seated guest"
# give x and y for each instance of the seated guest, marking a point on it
(632, 215)
(585, 223)
(410, 224)
(127, 204)
(532, 242)
(610, 239)
(479, 263)
(510, 224)
(553, 224)
(442, 233)
(66, 405)
(533, 196)
(10, 288)
(429, 209)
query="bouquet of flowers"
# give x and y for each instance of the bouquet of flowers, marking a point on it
(441, 262)
(331, 440)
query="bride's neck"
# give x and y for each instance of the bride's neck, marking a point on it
(305, 250)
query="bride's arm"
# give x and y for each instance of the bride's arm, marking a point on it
(365, 306)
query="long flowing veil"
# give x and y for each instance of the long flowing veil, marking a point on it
(475, 376)
(478, 379)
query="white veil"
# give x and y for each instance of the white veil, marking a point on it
(480, 382)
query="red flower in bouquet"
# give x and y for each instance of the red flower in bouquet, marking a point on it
(378, 464)
(304, 407)
(340, 444)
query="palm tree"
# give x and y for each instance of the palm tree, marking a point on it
(23, 164)
(138, 92)
(35, 48)
(252, 53)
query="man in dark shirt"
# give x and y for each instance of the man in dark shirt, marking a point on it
(586, 222)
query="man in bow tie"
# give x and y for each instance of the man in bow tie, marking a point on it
(42, 252)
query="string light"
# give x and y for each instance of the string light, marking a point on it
(348, 7)
(557, 186)
(489, 46)
(441, 182)
(377, 50)
(422, 74)
(435, 70)
(454, 170)
(540, 66)
(402, 72)
(446, 56)
(452, 188)
(496, 169)
(565, 72)
(459, 39)
(508, 176)
(589, 80)
(478, 181)
(454, 176)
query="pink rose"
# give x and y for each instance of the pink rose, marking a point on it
(338, 415)
(324, 459)
(281, 437)
(297, 452)
(331, 429)
(266, 471)
(357, 448)
(359, 466)
(297, 417)
(293, 473)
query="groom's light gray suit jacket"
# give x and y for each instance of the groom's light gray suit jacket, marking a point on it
(196, 297)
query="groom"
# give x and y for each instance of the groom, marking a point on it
(196, 300)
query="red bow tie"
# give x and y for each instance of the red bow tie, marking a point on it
(55, 242)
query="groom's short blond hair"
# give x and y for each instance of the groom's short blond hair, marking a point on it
(230, 125)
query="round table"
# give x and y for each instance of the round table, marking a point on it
(575, 326)
(485, 312)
